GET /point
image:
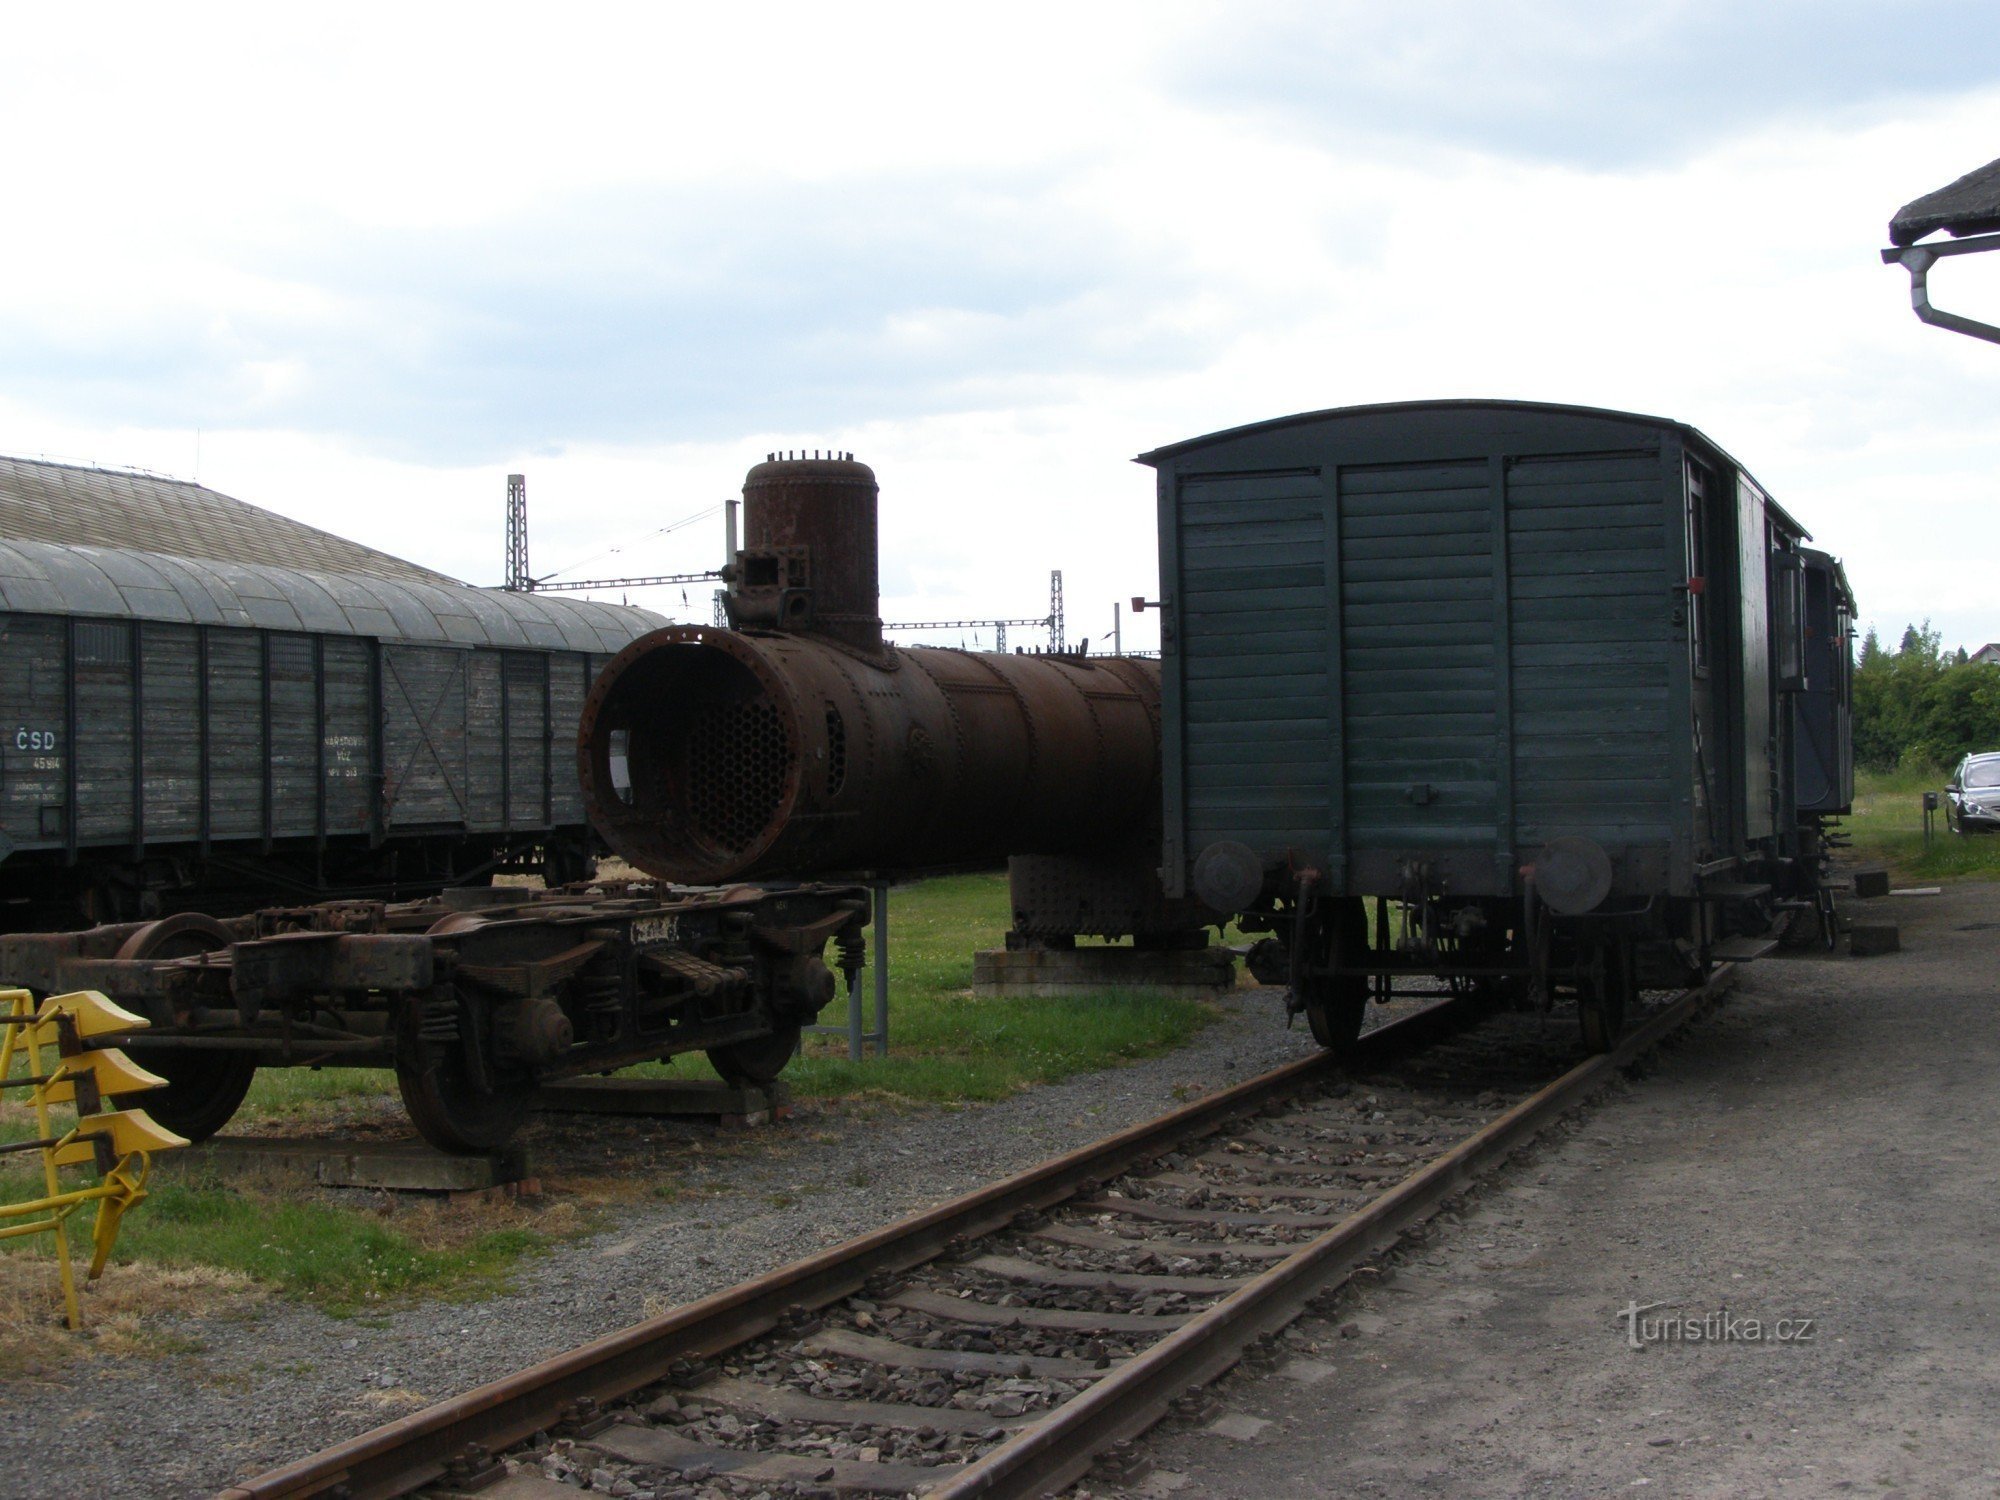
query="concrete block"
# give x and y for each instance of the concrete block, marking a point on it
(1866, 939)
(666, 1097)
(1191, 973)
(396, 1166)
(1871, 883)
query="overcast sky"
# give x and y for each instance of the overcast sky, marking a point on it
(357, 264)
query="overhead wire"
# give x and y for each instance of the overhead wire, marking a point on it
(700, 515)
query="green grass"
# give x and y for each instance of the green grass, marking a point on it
(339, 1259)
(946, 1046)
(1887, 827)
(305, 1095)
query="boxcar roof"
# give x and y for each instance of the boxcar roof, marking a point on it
(50, 502)
(49, 578)
(1158, 456)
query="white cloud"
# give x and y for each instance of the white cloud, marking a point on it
(384, 261)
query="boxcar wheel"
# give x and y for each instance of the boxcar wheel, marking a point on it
(447, 1105)
(1335, 1004)
(1604, 996)
(759, 1061)
(204, 1088)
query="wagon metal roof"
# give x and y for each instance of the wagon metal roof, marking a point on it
(1158, 456)
(51, 502)
(49, 578)
(1970, 205)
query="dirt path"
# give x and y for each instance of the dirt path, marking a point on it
(1827, 1146)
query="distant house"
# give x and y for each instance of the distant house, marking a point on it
(1988, 653)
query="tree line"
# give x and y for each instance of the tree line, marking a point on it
(1920, 706)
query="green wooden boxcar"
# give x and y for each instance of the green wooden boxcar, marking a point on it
(1525, 669)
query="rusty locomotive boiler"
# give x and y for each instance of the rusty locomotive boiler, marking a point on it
(799, 742)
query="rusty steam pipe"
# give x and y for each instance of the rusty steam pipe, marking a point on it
(799, 744)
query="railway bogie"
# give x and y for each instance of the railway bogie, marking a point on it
(474, 998)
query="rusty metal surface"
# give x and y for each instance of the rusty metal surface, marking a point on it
(484, 995)
(1055, 897)
(799, 743)
(773, 753)
(403, 1455)
(820, 512)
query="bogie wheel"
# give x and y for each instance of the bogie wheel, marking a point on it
(447, 1104)
(1336, 1004)
(204, 1088)
(758, 1061)
(1606, 993)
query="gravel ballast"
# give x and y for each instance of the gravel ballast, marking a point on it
(279, 1380)
(1824, 1150)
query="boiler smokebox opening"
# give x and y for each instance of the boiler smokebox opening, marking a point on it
(700, 760)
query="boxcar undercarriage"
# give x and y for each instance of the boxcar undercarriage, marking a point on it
(1335, 953)
(474, 998)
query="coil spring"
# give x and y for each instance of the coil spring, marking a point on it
(437, 1020)
(599, 994)
(851, 949)
(596, 1004)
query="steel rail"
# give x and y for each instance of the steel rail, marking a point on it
(1124, 1404)
(413, 1451)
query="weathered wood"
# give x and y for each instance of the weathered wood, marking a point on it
(294, 737)
(692, 1098)
(401, 1166)
(235, 734)
(424, 714)
(349, 737)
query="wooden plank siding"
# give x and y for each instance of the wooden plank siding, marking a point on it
(157, 734)
(348, 775)
(526, 683)
(34, 693)
(102, 665)
(294, 738)
(1258, 739)
(1456, 658)
(235, 734)
(1590, 649)
(170, 665)
(569, 681)
(424, 693)
(484, 730)
(1417, 553)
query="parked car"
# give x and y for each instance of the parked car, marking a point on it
(1972, 800)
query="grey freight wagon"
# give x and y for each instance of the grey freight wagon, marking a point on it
(180, 731)
(1523, 674)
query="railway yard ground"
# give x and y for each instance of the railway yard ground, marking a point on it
(1823, 1146)
(1826, 1145)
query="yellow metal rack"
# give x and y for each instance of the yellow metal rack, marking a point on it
(64, 1068)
